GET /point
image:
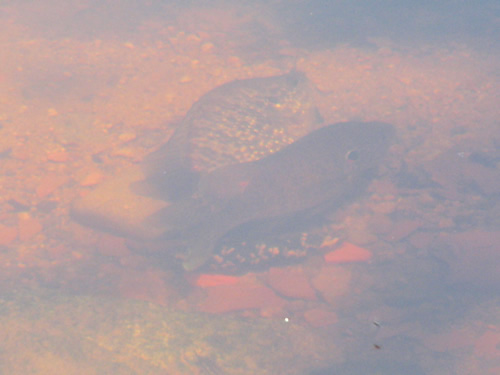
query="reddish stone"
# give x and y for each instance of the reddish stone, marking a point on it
(291, 282)
(207, 280)
(348, 253)
(243, 295)
(320, 317)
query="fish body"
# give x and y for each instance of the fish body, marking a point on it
(240, 121)
(314, 175)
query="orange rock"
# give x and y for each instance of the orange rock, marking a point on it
(28, 227)
(58, 156)
(206, 280)
(7, 234)
(49, 184)
(332, 282)
(320, 317)
(291, 282)
(348, 253)
(242, 295)
(92, 179)
(52, 112)
(113, 207)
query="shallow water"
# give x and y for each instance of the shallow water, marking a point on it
(403, 279)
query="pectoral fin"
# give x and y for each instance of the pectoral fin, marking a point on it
(195, 258)
(201, 242)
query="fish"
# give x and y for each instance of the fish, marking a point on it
(312, 176)
(237, 122)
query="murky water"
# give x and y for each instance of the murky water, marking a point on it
(401, 280)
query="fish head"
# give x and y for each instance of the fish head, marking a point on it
(361, 147)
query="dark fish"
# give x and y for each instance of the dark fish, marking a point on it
(237, 122)
(314, 175)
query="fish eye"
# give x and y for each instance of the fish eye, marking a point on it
(352, 155)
